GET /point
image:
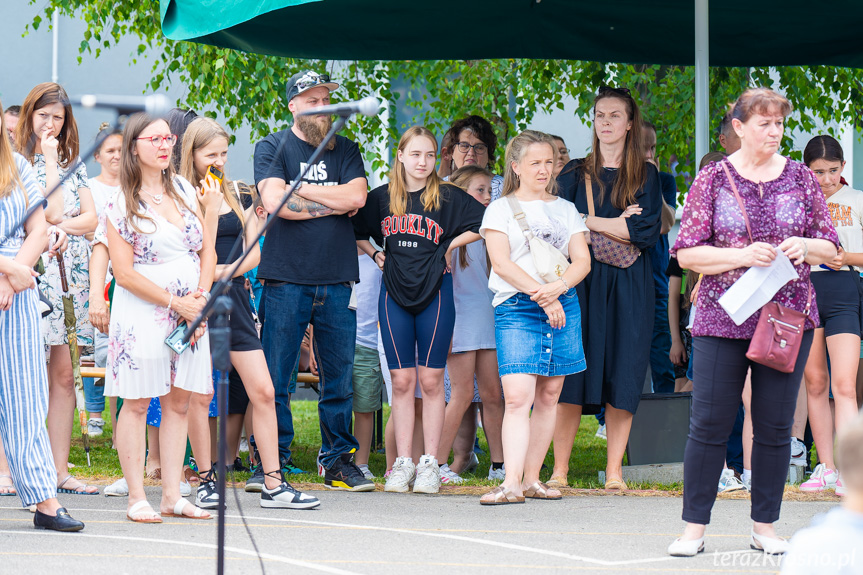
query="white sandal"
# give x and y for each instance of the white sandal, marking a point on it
(141, 512)
(180, 505)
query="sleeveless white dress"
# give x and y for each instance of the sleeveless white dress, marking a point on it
(140, 364)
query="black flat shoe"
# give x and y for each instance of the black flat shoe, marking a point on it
(61, 522)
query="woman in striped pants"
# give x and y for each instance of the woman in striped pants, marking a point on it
(23, 377)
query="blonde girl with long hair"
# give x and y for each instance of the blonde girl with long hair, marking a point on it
(419, 221)
(228, 214)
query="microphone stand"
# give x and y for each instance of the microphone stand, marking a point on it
(219, 309)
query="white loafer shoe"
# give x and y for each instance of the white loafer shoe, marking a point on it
(689, 548)
(768, 544)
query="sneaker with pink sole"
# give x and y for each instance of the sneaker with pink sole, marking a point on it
(840, 489)
(822, 479)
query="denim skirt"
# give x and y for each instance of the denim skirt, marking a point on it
(527, 344)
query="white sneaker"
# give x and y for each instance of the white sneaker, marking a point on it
(497, 474)
(822, 479)
(401, 475)
(728, 482)
(94, 426)
(366, 472)
(428, 475)
(798, 452)
(600, 432)
(449, 476)
(185, 489)
(840, 489)
(117, 489)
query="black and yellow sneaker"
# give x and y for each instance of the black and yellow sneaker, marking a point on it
(345, 475)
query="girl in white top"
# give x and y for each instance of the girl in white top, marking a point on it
(473, 346)
(836, 290)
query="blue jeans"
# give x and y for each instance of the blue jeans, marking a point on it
(661, 367)
(94, 396)
(286, 311)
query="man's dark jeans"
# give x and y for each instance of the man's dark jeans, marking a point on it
(287, 309)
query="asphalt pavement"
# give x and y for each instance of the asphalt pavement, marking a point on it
(384, 533)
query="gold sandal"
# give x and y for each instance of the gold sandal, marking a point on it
(615, 485)
(540, 490)
(500, 495)
(557, 482)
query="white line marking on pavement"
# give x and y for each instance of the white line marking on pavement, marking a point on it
(268, 556)
(473, 540)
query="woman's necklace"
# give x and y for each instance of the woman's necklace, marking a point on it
(157, 198)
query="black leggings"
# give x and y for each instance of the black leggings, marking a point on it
(720, 372)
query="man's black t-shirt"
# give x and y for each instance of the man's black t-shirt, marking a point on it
(416, 243)
(321, 250)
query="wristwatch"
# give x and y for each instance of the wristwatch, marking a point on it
(204, 293)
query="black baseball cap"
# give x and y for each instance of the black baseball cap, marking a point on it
(306, 80)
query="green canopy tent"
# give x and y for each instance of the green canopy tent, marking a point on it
(740, 32)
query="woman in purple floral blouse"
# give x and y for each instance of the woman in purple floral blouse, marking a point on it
(788, 213)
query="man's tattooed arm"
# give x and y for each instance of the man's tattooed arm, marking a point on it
(299, 205)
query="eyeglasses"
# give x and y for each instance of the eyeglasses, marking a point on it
(311, 79)
(170, 139)
(562, 151)
(619, 91)
(464, 148)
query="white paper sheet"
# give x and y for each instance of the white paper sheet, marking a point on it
(756, 287)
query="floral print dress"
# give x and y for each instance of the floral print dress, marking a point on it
(77, 260)
(140, 364)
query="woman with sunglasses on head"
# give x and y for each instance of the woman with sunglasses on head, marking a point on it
(163, 261)
(836, 286)
(47, 136)
(23, 379)
(617, 192)
(228, 214)
(422, 220)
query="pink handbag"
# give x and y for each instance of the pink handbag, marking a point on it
(608, 248)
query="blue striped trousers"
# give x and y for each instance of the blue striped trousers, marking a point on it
(24, 401)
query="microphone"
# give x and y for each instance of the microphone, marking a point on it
(367, 107)
(156, 105)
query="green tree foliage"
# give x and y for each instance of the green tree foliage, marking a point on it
(249, 88)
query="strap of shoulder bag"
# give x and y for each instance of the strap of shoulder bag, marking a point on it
(519, 215)
(590, 210)
(739, 200)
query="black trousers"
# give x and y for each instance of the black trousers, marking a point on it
(720, 372)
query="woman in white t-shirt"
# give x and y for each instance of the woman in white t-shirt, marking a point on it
(537, 324)
(836, 287)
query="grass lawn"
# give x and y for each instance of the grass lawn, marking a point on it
(588, 454)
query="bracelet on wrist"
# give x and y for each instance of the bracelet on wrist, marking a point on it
(375, 255)
(805, 249)
(563, 281)
(170, 301)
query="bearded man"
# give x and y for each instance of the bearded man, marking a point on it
(307, 265)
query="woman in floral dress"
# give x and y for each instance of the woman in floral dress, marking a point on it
(163, 261)
(47, 136)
